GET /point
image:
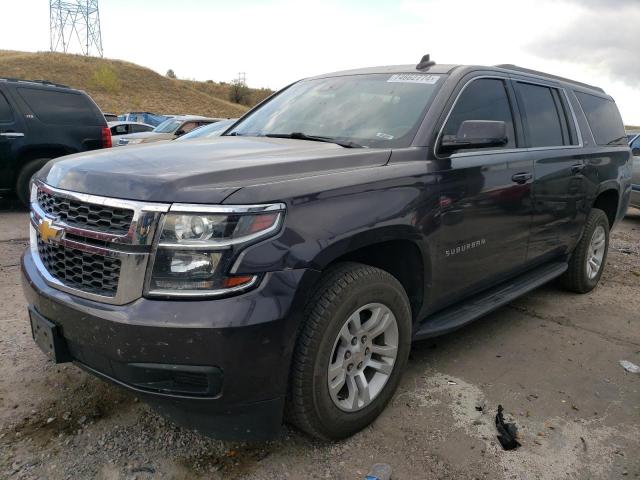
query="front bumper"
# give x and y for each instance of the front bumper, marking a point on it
(243, 343)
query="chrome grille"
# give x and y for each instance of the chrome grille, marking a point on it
(86, 215)
(89, 272)
(92, 246)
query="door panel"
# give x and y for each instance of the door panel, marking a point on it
(559, 197)
(485, 221)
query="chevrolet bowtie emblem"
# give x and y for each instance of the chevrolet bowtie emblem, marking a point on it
(48, 232)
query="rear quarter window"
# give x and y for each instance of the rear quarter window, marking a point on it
(604, 119)
(61, 108)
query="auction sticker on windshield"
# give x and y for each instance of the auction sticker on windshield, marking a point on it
(413, 78)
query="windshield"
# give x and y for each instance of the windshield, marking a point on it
(168, 126)
(211, 130)
(376, 110)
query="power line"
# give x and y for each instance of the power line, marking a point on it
(75, 23)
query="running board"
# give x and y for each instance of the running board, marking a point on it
(466, 311)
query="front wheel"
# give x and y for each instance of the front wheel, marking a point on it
(589, 257)
(24, 178)
(351, 351)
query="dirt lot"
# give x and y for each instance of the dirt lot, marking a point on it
(550, 358)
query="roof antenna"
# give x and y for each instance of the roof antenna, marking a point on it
(425, 63)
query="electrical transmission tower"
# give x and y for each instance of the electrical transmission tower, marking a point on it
(75, 22)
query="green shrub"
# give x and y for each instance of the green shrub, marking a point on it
(104, 78)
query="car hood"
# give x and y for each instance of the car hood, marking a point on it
(202, 170)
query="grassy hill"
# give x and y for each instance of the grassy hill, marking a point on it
(118, 86)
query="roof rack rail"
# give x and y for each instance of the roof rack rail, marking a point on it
(515, 68)
(41, 82)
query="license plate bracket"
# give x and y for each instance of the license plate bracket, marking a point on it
(47, 336)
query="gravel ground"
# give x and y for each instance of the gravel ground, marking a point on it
(550, 358)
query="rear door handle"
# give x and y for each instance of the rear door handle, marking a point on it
(12, 134)
(577, 168)
(522, 177)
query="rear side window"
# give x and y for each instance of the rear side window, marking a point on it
(61, 108)
(120, 129)
(604, 119)
(544, 116)
(484, 99)
(140, 128)
(6, 114)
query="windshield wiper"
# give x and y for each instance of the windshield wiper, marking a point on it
(314, 138)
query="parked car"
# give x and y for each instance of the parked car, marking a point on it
(39, 121)
(634, 143)
(167, 130)
(110, 117)
(207, 131)
(288, 265)
(119, 129)
(144, 117)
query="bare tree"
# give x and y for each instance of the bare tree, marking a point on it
(239, 92)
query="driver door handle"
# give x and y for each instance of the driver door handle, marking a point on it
(12, 134)
(522, 178)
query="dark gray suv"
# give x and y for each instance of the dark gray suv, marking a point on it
(283, 269)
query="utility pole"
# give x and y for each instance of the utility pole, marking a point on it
(75, 22)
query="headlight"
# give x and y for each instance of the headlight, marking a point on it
(196, 249)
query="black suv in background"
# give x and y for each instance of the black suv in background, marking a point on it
(285, 267)
(39, 121)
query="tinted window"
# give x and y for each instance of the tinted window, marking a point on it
(140, 128)
(484, 99)
(119, 129)
(635, 143)
(604, 119)
(6, 115)
(63, 108)
(542, 117)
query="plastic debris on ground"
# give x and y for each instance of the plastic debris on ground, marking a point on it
(507, 432)
(630, 367)
(379, 471)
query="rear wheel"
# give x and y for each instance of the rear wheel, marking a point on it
(589, 257)
(351, 351)
(24, 177)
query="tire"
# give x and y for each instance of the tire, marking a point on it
(349, 293)
(24, 177)
(582, 276)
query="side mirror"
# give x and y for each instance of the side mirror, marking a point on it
(636, 152)
(477, 134)
(180, 133)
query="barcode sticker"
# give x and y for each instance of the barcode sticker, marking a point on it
(413, 78)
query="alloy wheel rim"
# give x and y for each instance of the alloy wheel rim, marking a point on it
(363, 356)
(595, 254)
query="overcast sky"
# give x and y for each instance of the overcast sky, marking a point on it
(278, 41)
